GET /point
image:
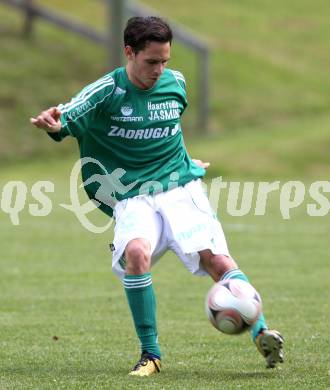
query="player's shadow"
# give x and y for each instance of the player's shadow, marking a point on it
(252, 374)
(225, 375)
(175, 373)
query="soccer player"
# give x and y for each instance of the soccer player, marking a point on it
(129, 121)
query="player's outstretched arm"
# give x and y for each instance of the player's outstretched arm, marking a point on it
(48, 120)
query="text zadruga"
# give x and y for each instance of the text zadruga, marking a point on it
(157, 132)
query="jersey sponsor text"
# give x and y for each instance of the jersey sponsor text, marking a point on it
(157, 132)
(127, 118)
(163, 111)
(164, 115)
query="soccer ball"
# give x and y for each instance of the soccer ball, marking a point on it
(233, 306)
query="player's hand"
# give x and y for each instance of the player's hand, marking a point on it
(201, 163)
(48, 120)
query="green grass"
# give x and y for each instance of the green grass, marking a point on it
(56, 280)
(278, 153)
(269, 67)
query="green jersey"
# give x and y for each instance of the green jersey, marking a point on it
(130, 139)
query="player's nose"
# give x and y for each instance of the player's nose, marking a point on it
(159, 68)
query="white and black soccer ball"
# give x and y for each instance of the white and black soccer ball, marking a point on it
(233, 306)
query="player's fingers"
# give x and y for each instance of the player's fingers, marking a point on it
(200, 163)
(57, 114)
(54, 111)
(36, 122)
(40, 122)
(48, 118)
(46, 122)
(52, 116)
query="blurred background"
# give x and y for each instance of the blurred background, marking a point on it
(269, 87)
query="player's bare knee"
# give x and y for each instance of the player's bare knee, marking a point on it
(137, 254)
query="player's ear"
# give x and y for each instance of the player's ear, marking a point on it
(129, 52)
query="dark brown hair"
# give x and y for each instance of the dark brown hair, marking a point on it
(140, 31)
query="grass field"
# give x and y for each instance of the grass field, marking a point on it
(56, 280)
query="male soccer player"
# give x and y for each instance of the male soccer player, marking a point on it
(129, 121)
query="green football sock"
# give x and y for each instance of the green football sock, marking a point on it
(261, 322)
(142, 302)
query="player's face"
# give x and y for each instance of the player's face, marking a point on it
(145, 67)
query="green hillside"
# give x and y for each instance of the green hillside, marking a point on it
(270, 84)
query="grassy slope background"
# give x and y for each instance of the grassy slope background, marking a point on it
(270, 89)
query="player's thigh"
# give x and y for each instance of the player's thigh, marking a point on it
(193, 226)
(135, 220)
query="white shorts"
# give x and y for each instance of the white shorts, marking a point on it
(180, 219)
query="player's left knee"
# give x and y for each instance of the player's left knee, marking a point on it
(222, 264)
(217, 265)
